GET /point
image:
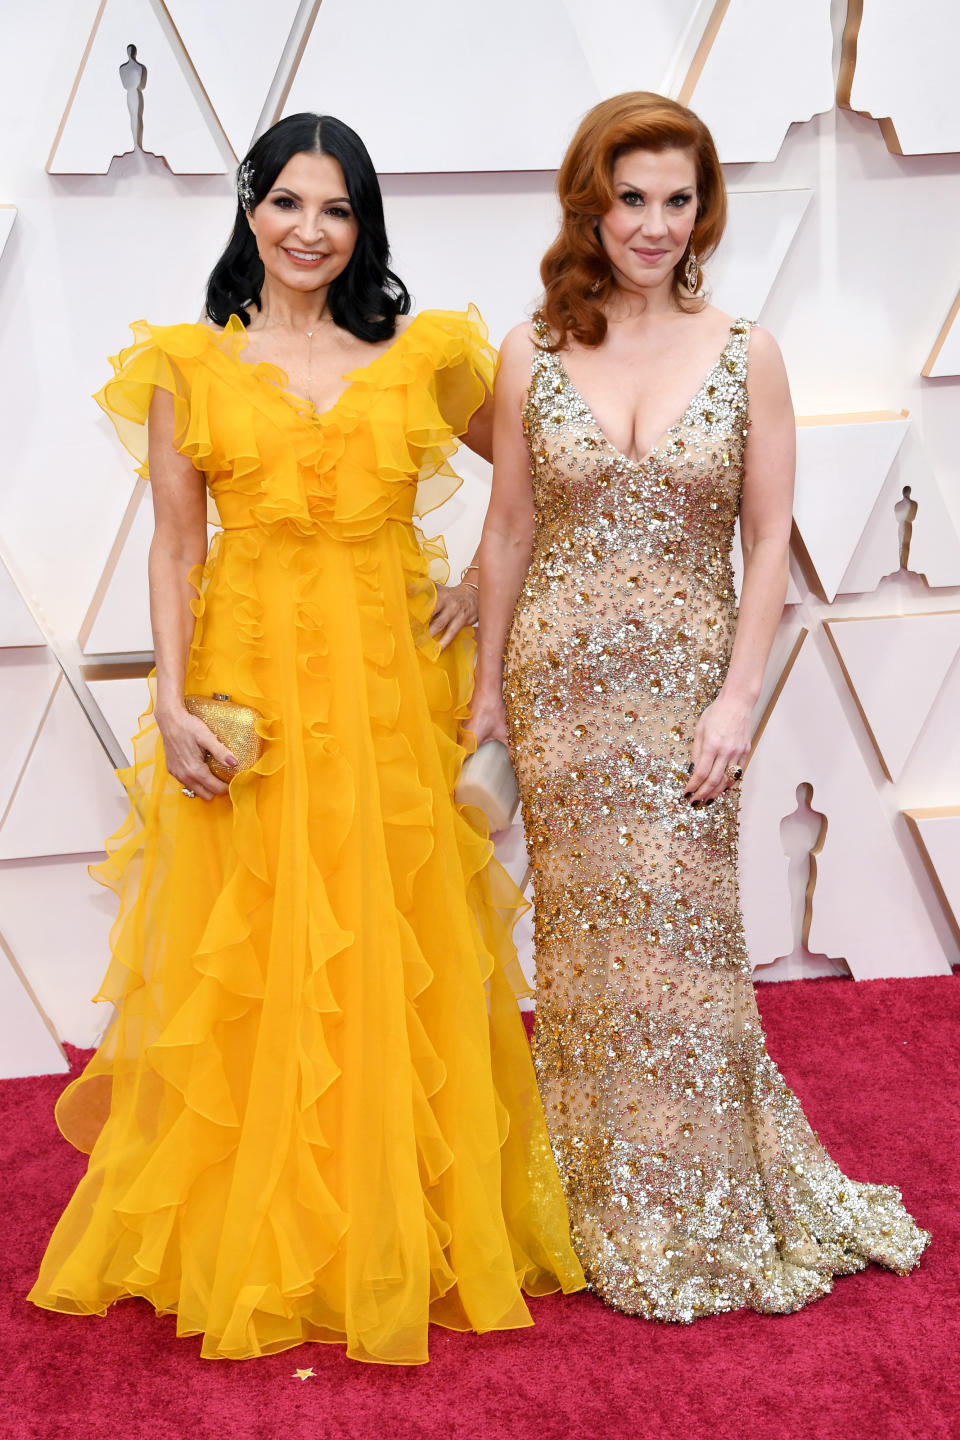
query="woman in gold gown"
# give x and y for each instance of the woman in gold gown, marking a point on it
(315, 1115)
(633, 424)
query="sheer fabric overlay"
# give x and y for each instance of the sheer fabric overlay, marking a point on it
(315, 1115)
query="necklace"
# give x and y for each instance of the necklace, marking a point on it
(289, 329)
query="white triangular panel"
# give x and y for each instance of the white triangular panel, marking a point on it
(944, 358)
(896, 665)
(57, 921)
(931, 776)
(770, 64)
(652, 41)
(906, 73)
(935, 544)
(761, 225)
(97, 124)
(842, 464)
(422, 101)
(934, 549)
(122, 701)
(8, 213)
(27, 1045)
(122, 620)
(866, 906)
(27, 678)
(939, 833)
(68, 799)
(532, 119)
(17, 625)
(235, 76)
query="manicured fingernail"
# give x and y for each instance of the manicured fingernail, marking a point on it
(690, 768)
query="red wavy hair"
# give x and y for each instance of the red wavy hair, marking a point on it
(575, 270)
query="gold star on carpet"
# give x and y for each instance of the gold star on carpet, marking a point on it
(303, 1374)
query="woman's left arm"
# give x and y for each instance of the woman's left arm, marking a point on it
(723, 735)
(457, 604)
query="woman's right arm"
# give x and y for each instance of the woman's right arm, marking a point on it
(507, 541)
(179, 544)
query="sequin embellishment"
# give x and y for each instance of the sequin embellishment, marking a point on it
(694, 1181)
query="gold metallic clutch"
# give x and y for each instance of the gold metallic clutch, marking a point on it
(234, 726)
(488, 782)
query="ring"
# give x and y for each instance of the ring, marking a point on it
(734, 773)
(190, 794)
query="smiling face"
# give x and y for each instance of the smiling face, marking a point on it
(305, 227)
(646, 231)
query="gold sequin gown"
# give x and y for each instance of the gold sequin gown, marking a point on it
(694, 1181)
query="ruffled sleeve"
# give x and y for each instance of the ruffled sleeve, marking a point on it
(463, 363)
(382, 451)
(161, 357)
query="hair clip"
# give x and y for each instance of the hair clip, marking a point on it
(245, 185)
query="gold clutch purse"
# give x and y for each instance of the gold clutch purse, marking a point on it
(234, 726)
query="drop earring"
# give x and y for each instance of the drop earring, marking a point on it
(691, 271)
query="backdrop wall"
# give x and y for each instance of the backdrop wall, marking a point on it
(841, 241)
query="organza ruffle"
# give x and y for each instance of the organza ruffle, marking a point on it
(346, 470)
(314, 1116)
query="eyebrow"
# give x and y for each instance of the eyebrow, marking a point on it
(282, 190)
(639, 188)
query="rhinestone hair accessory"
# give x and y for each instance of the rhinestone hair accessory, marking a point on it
(245, 185)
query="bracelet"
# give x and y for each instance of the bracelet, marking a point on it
(466, 570)
(470, 585)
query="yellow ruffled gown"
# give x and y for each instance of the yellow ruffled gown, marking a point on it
(314, 1116)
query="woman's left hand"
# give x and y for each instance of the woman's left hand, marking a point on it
(721, 745)
(456, 606)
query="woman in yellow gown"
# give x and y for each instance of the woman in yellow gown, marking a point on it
(314, 1116)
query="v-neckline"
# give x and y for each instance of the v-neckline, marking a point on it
(664, 434)
(302, 403)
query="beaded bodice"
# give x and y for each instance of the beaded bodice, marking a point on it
(677, 504)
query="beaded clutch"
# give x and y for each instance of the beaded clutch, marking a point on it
(234, 726)
(488, 782)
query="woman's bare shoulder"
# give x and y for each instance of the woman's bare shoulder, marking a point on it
(763, 346)
(519, 342)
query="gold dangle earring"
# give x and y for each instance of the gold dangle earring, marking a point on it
(691, 271)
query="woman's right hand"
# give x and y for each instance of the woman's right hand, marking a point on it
(186, 742)
(488, 717)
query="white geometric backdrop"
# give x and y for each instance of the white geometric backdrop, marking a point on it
(122, 123)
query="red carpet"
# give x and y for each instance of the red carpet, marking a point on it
(875, 1064)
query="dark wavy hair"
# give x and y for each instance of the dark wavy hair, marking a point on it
(366, 297)
(575, 270)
